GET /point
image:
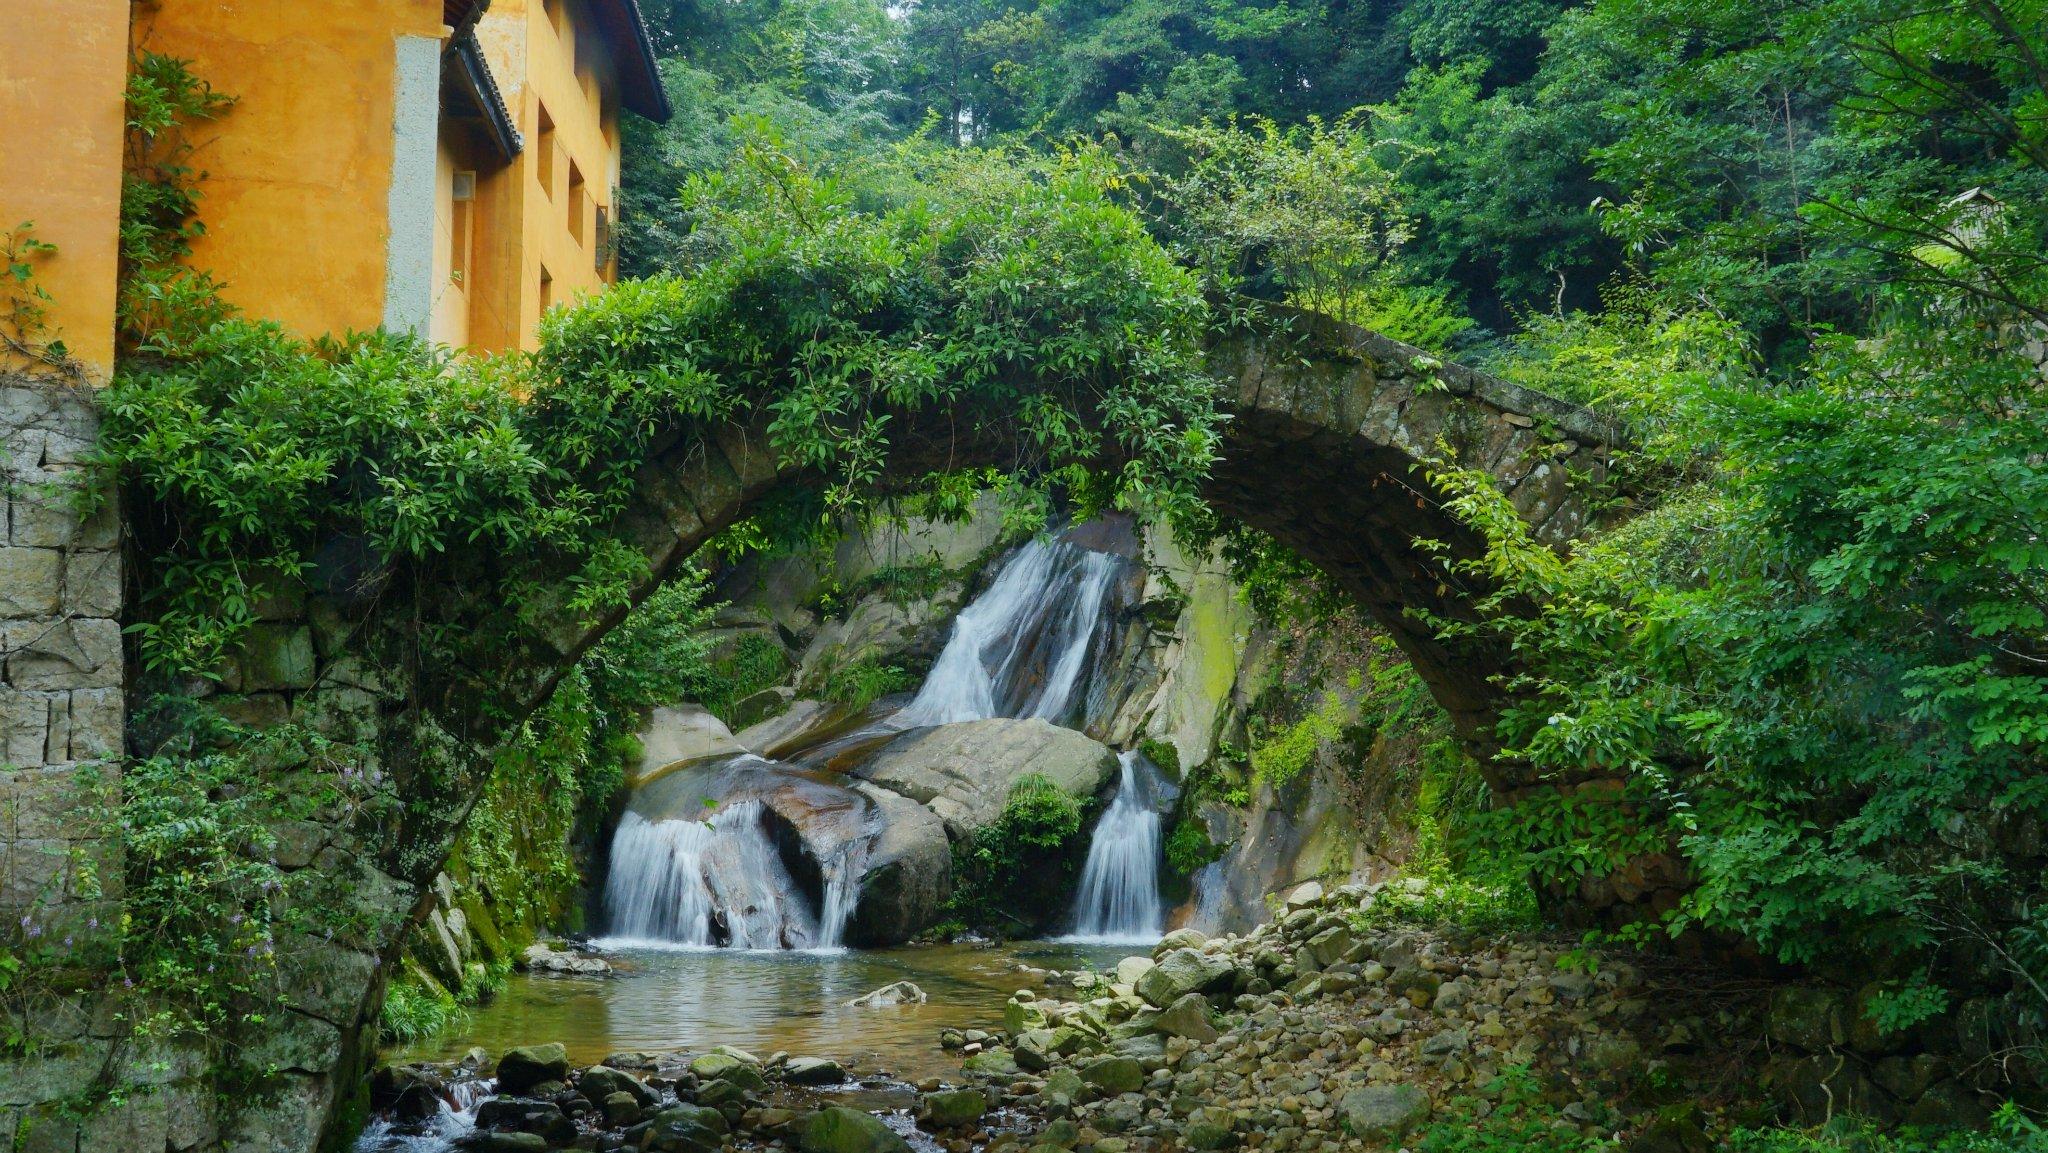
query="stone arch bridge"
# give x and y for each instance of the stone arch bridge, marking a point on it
(1328, 425)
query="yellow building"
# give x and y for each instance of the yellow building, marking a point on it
(444, 167)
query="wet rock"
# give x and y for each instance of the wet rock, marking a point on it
(540, 958)
(1130, 969)
(841, 1130)
(512, 1142)
(1114, 1074)
(620, 1109)
(952, 1108)
(997, 1063)
(813, 1071)
(520, 1069)
(1179, 939)
(1384, 1112)
(715, 1066)
(599, 1082)
(676, 736)
(963, 772)
(1808, 1017)
(900, 993)
(909, 872)
(686, 1129)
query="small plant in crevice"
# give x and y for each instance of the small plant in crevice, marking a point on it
(861, 683)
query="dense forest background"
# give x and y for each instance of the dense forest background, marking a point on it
(1798, 246)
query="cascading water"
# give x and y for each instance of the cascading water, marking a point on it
(722, 881)
(1025, 646)
(1118, 902)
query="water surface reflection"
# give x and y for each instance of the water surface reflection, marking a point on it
(670, 999)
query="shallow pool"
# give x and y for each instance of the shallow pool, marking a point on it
(669, 999)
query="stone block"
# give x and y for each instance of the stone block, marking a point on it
(33, 871)
(24, 727)
(51, 803)
(31, 581)
(64, 654)
(92, 583)
(47, 514)
(96, 724)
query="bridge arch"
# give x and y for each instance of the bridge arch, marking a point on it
(1327, 425)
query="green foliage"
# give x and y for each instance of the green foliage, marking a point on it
(1807, 669)
(1188, 847)
(160, 203)
(1508, 1115)
(415, 1010)
(861, 683)
(24, 303)
(1304, 213)
(1016, 871)
(754, 662)
(1281, 759)
(2011, 1131)
(659, 654)
(205, 899)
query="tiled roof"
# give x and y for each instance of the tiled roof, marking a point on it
(625, 30)
(467, 76)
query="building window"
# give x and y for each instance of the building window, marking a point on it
(602, 251)
(547, 290)
(544, 153)
(460, 226)
(576, 199)
(553, 11)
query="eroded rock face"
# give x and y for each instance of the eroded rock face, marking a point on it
(909, 872)
(964, 772)
(676, 736)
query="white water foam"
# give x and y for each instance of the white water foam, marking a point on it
(1025, 646)
(1118, 902)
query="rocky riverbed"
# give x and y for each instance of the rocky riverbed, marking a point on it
(1323, 1031)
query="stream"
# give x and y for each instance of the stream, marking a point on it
(663, 1000)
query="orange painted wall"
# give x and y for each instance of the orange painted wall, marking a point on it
(65, 65)
(298, 173)
(533, 48)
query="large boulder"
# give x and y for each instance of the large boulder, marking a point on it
(842, 1130)
(677, 736)
(1181, 972)
(909, 872)
(964, 772)
(529, 1065)
(952, 1108)
(1187, 1017)
(1383, 1112)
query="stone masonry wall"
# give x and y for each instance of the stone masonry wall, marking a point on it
(61, 668)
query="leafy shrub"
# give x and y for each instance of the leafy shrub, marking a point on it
(1015, 871)
(1284, 757)
(1515, 1120)
(415, 1010)
(2010, 1131)
(755, 662)
(1188, 847)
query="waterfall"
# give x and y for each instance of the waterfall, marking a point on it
(721, 881)
(1118, 902)
(1025, 646)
